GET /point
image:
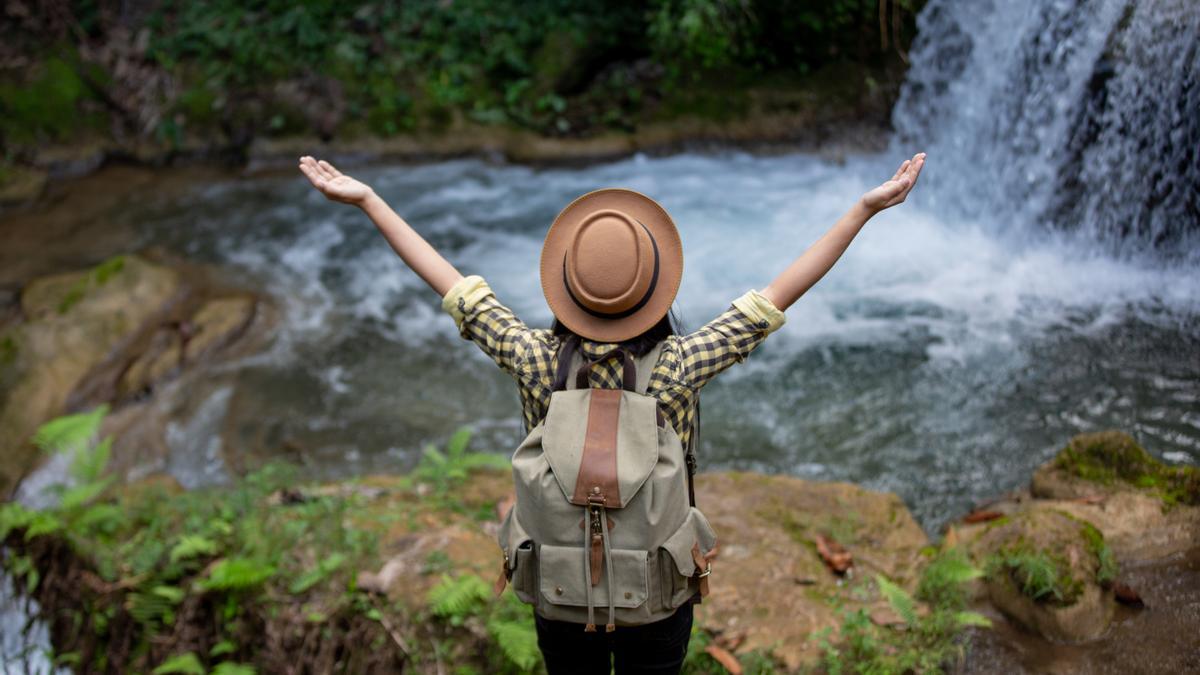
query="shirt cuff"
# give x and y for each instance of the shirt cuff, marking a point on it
(761, 311)
(463, 296)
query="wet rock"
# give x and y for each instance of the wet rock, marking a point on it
(72, 324)
(214, 324)
(1050, 572)
(109, 334)
(22, 185)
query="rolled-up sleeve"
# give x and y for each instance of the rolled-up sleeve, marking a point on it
(727, 339)
(482, 319)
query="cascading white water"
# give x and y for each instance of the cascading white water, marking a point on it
(1079, 115)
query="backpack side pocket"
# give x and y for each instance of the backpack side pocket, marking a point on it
(519, 557)
(677, 565)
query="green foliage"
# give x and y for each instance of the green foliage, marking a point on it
(508, 621)
(1041, 575)
(237, 574)
(1106, 563)
(459, 598)
(318, 574)
(46, 106)
(230, 668)
(929, 641)
(445, 471)
(192, 545)
(184, 664)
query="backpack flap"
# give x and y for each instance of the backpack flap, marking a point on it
(601, 444)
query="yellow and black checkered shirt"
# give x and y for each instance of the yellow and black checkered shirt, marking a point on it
(686, 363)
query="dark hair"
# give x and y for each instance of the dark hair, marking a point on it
(642, 344)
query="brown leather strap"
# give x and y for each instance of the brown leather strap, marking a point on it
(703, 566)
(596, 482)
(566, 350)
(628, 377)
(502, 580)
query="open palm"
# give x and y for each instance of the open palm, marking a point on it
(894, 191)
(333, 183)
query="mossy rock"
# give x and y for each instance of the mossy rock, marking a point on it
(1110, 461)
(1050, 572)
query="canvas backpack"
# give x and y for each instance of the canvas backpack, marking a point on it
(605, 518)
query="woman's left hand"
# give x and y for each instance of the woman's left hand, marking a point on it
(894, 191)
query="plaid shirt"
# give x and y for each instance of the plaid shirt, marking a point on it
(686, 364)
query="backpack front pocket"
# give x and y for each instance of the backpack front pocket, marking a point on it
(563, 579)
(519, 558)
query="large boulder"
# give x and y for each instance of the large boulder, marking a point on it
(1051, 573)
(72, 323)
(1145, 508)
(108, 334)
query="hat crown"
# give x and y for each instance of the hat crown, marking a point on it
(610, 262)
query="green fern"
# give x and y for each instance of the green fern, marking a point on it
(192, 545)
(315, 576)
(459, 598)
(518, 642)
(231, 668)
(902, 603)
(237, 574)
(183, 664)
(445, 470)
(942, 581)
(71, 435)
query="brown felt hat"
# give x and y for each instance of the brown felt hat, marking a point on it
(611, 264)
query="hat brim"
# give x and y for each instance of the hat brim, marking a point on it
(559, 238)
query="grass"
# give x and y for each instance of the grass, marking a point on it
(1041, 575)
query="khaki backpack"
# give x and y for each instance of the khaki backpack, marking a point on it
(604, 516)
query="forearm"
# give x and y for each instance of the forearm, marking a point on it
(807, 270)
(410, 246)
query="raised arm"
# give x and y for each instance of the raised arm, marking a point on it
(410, 246)
(808, 269)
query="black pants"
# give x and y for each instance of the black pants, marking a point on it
(656, 648)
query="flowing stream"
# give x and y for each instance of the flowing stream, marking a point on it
(1042, 280)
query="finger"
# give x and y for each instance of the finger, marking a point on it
(317, 181)
(329, 167)
(320, 166)
(900, 171)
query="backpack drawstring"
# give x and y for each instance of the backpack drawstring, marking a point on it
(612, 582)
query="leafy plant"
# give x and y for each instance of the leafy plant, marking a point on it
(928, 641)
(446, 470)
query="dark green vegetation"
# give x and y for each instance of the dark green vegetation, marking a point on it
(1112, 457)
(929, 641)
(172, 72)
(1044, 573)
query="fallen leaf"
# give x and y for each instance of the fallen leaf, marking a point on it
(1127, 596)
(730, 640)
(835, 556)
(981, 516)
(1090, 499)
(728, 661)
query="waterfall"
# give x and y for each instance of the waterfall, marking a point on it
(1073, 115)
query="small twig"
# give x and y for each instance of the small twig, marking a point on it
(387, 625)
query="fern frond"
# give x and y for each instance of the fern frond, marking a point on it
(192, 545)
(235, 574)
(184, 664)
(69, 432)
(459, 598)
(457, 445)
(518, 642)
(972, 619)
(231, 668)
(899, 599)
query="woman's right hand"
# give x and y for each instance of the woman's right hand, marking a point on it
(333, 184)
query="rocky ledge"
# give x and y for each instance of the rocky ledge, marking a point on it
(811, 576)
